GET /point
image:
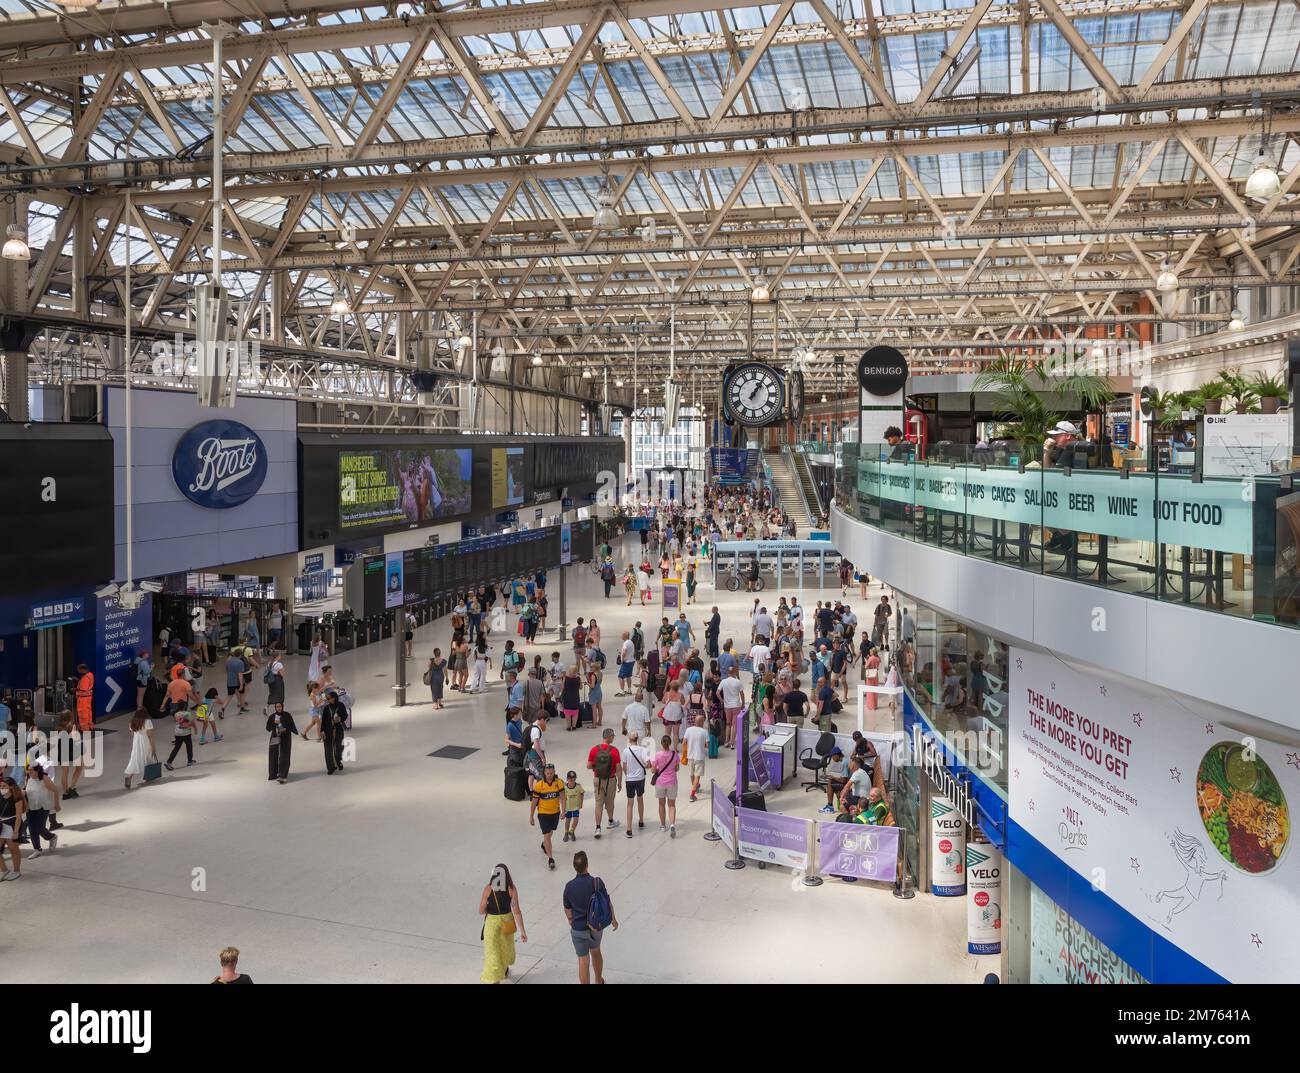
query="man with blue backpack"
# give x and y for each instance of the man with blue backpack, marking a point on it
(590, 910)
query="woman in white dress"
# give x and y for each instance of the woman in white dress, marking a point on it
(142, 745)
(319, 654)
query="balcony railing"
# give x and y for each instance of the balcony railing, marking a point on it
(1225, 544)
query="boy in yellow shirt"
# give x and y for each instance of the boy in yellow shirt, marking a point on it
(573, 792)
(548, 793)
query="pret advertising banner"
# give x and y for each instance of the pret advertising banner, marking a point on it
(1215, 514)
(393, 486)
(1182, 821)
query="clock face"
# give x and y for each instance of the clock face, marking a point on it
(754, 394)
(796, 396)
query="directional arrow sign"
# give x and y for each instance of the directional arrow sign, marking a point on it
(114, 693)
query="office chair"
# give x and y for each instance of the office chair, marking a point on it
(817, 759)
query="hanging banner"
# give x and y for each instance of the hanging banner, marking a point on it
(394, 586)
(721, 819)
(983, 898)
(566, 544)
(947, 849)
(773, 839)
(858, 851)
(1185, 818)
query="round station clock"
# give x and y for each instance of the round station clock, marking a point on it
(796, 395)
(755, 394)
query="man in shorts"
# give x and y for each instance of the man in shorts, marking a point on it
(605, 763)
(626, 664)
(697, 751)
(547, 801)
(733, 700)
(636, 760)
(586, 939)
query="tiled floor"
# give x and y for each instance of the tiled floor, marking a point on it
(375, 875)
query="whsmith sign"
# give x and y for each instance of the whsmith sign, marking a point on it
(1213, 514)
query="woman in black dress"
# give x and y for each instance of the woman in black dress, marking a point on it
(437, 676)
(280, 725)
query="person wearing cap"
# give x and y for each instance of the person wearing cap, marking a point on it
(573, 794)
(547, 797)
(333, 727)
(1057, 450)
(837, 777)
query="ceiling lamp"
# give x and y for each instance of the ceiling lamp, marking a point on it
(1167, 280)
(760, 293)
(586, 374)
(1236, 323)
(340, 305)
(16, 248)
(606, 219)
(1098, 351)
(1263, 184)
(465, 342)
(823, 398)
(537, 359)
(618, 383)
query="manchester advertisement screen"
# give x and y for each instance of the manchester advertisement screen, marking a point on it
(507, 476)
(386, 486)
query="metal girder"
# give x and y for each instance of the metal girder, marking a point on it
(671, 135)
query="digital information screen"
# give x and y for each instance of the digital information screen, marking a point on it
(388, 486)
(507, 477)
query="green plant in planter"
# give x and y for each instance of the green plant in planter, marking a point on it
(1271, 391)
(1166, 407)
(1211, 396)
(1240, 391)
(1025, 417)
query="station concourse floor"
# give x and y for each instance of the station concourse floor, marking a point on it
(375, 875)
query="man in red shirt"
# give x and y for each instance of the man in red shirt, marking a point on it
(604, 762)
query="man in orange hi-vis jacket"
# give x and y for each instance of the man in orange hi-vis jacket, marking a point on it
(85, 697)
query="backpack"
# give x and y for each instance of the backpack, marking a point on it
(600, 910)
(268, 675)
(579, 637)
(603, 765)
(533, 763)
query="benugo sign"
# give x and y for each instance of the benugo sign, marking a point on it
(1211, 514)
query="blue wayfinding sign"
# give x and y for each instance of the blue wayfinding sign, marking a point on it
(120, 634)
(57, 612)
(219, 464)
(312, 564)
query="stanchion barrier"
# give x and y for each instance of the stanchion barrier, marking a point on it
(811, 878)
(712, 834)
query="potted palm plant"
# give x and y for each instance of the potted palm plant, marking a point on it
(1270, 390)
(1240, 391)
(1019, 386)
(1212, 396)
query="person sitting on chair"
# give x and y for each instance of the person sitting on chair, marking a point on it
(837, 777)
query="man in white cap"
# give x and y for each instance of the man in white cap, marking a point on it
(1057, 447)
(1058, 451)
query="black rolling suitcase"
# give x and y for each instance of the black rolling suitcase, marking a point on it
(584, 713)
(516, 784)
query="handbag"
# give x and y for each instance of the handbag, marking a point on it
(153, 769)
(427, 677)
(508, 925)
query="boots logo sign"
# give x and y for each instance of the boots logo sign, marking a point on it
(219, 464)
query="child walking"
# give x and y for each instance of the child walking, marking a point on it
(573, 793)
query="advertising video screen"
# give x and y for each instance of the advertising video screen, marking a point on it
(507, 476)
(403, 487)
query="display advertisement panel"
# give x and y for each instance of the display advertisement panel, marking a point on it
(1063, 951)
(507, 477)
(387, 486)
(1182, 821)
(1212, 514)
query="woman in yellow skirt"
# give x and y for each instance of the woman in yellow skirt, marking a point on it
(502, 918)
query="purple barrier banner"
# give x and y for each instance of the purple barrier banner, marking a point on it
(722, 818)
(773, 838)
(857, 851)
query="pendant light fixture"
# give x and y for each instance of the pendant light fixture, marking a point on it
(16, 248)
(340, 306)
(1264, 184)
(1236, 322)
(1167, 280)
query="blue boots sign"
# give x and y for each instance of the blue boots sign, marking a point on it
(219, 464)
